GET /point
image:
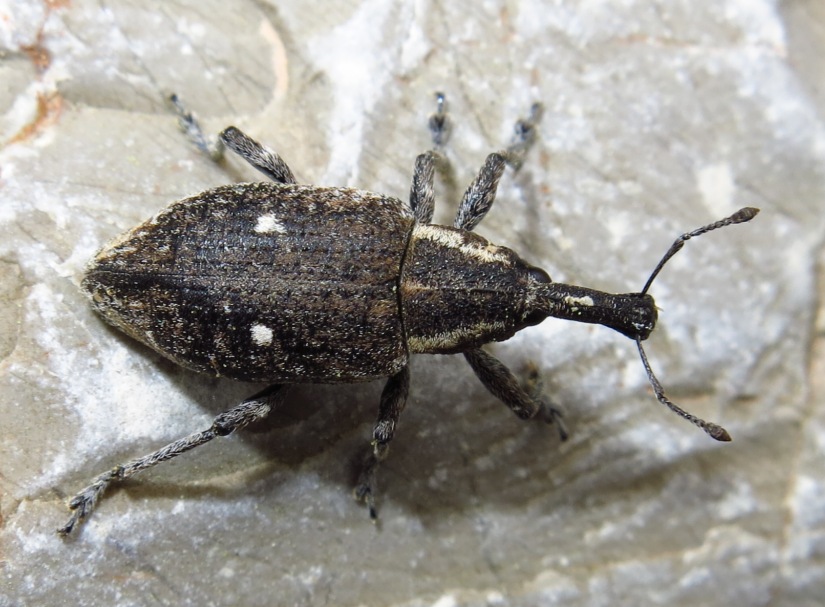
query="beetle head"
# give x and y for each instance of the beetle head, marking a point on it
(631, 314)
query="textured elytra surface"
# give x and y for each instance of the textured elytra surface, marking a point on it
(263, 282)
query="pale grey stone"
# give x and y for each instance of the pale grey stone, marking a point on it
(659, 117)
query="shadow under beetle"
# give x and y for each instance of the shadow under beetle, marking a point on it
(286, 283)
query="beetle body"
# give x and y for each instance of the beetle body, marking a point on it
(286, 283)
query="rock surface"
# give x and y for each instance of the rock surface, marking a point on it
(659, 117)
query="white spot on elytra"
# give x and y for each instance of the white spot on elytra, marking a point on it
(261, 335)
(268, 223)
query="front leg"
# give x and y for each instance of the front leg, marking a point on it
(393, 400)
(481, 194)
(524, 135)
(502, 384)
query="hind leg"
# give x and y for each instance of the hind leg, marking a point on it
(267, 162)
(251, 410)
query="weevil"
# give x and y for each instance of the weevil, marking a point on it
(285, 283)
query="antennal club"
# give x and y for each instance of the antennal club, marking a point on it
(714, 431)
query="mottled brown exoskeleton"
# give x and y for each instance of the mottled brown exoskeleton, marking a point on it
(286, 283)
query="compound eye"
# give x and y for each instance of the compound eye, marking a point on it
(538, 275)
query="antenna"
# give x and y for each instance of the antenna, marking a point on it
(713, 430)
(741, 216)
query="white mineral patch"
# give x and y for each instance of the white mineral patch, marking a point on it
(716, 185)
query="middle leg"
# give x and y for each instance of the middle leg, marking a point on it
(422, 192)
(393, 400)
